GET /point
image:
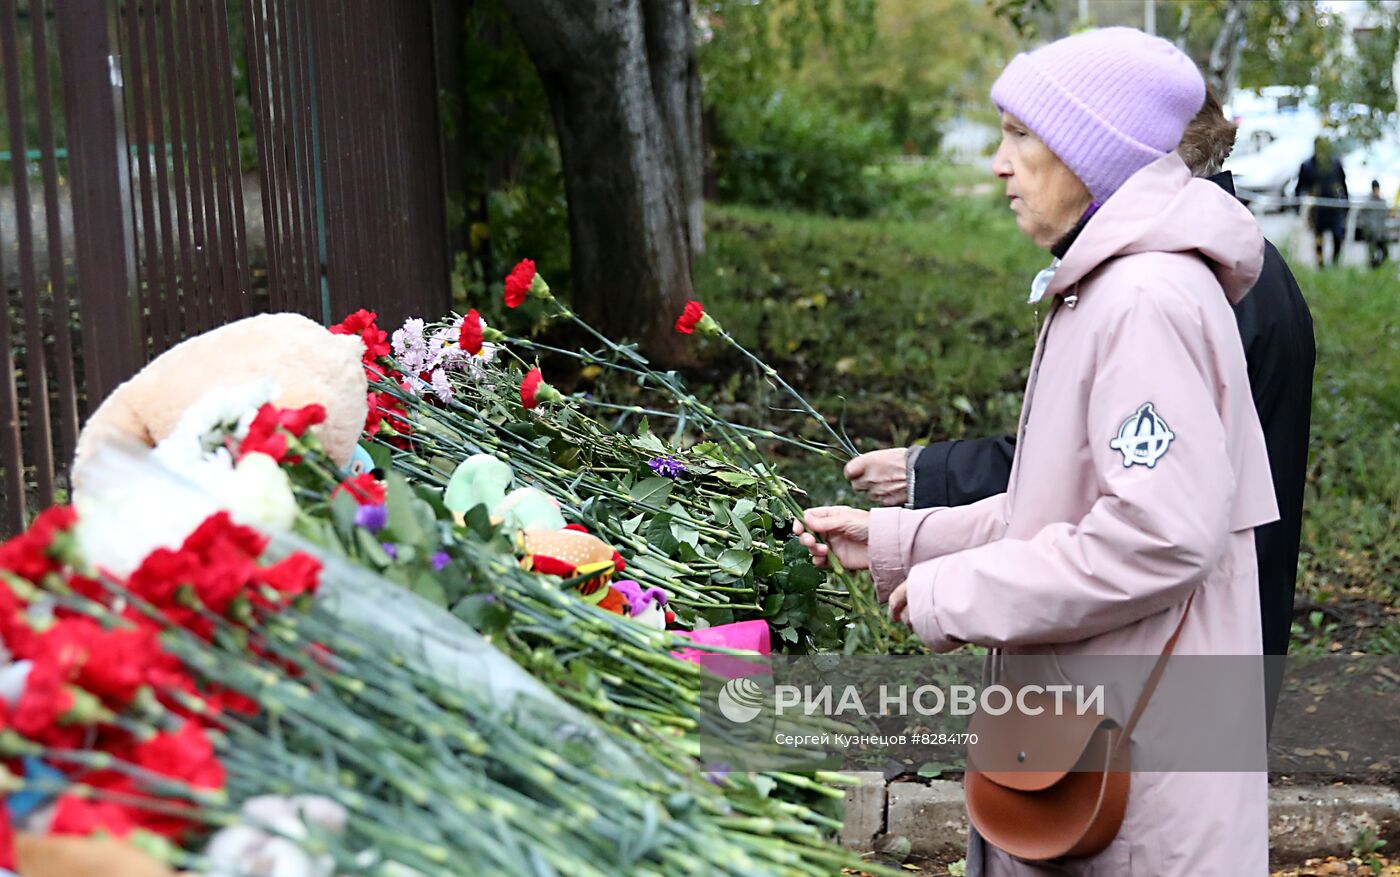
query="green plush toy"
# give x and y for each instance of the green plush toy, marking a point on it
(483, 479)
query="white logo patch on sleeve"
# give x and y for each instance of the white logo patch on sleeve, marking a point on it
(1143, 438)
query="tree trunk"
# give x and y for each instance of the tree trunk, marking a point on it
(675, 80)
(627, 221)
(1225, 53)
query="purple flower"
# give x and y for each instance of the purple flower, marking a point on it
(718, 773)
(372, 517)
(390, 550)
(668, 467)
(440, 560)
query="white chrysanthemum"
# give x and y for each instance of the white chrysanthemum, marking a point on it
(411, 348)
(440, 386)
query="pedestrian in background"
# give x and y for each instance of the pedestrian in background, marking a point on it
(1322, 177)
(1371, 226)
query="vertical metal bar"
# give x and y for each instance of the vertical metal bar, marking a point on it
(11, 446)
(371, 123)
(331, 147)
(393, 170)
(11, 442)
(171, 320)
(255, 28)
(357, 194)
(284, 138)
(99, 165)
(232, 164)
(301, 119)
(188, 282)
(148, 271)
(203, 135)
(318, 163)
(213, 72)
(35, 370)
(282, 56)
(67, 397)
(210, 304)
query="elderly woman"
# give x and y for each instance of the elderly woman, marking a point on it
(1146, 467)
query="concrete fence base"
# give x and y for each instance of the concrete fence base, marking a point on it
(1304, 821)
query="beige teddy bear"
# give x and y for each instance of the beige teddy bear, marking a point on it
(307, 363)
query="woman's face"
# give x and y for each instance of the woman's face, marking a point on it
(1042, 191)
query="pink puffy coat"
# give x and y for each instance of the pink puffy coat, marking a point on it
(1140, 473)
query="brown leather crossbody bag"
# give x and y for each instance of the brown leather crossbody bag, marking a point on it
(1066, 796)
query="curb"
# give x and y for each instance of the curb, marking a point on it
(1304, 821)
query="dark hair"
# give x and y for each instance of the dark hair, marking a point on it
(1209, 139)
(1375, 184)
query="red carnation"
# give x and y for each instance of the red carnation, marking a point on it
(364, 488)
(264, 437)
(81, 816)
(294, 575)
(44, 700)
(694, 317)
(7, 840)
(471, 335)
(30, 555)
(361, 323)
(267, 434)
(298, 420)
(184, 755)
(533, 390)
(519, 281)
(686, 322)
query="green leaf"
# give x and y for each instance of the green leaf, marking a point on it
(735, 562)
(772, 604)
(718, 616)
(804, 577)
(343, 508)
(381, 455)
(428, 587)
(767, 565)
(764, 784)
(486, 615)
(403, 520)
(738, 479)
(721, 512)
(649, 441)
(742, 509)
(653, 490)
(685, 533)
(630, 525)
(478, 520)
(659, 534)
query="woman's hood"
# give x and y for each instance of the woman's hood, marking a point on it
(1163, 209)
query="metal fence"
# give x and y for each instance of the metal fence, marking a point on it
(167, 166)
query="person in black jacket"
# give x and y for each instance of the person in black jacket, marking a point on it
(1277, 333)
(1322, 177)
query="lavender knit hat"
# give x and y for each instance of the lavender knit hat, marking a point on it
(1107, 102)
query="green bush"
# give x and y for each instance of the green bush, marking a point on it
(799, 152)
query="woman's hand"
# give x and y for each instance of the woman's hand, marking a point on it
(881, 475)
(899, 604)
(846, 531)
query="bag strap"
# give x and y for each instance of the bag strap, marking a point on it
(1154, 677)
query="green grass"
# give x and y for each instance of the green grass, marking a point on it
(1351, 538)
(917, 328)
